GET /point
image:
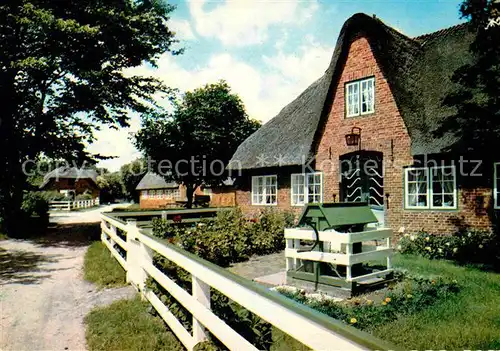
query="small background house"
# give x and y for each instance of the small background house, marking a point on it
(156, 192)
(72, 182)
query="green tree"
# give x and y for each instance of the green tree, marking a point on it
(111, 187)
(131, 174)
(194, 144)
(65, 71)
(476, 123)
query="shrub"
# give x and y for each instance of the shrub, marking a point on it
(84, 197)
(230, 237)
(53, 195)
(468, 246)
(34, 204)
(267, 232)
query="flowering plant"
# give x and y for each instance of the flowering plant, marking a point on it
(464, 246)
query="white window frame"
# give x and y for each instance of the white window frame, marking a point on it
(144, 194)
(359, 84)
(496, 188)
(430, 192)
(176, 194)
(264, 194)
(306, 188)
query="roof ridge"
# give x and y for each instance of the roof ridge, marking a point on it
(440, 32)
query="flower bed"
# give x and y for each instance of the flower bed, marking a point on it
(410, 295)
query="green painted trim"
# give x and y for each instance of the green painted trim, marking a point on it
(360, 337)
(322, 279)
(169, 212)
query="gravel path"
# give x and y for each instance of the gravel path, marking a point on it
(43, 297)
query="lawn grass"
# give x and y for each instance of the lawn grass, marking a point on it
(468, 320)
(126, 325)
(102, 269)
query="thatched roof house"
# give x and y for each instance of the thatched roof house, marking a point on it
(72, 181)
(364, 131)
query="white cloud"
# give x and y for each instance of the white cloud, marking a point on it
(116, 142)
(264, 94)
(182, 29)
(245, 22)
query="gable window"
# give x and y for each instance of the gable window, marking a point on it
(430, 188)
(360, 97)
(496, 185)
(264, 190)
(306, 188)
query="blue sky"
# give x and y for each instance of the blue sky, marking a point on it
(268, 51)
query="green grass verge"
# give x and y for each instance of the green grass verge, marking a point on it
(469, 319)
(101, 268)
(126, 325)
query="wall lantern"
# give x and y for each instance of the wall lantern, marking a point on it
(354, 138)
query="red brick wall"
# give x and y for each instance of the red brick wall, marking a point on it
(153, 202)
(383, 131)
(223, 197)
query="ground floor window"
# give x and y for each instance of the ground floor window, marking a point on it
(306, 188)
(430, 188)
(265, 190)
(144, 194)
(496, 185)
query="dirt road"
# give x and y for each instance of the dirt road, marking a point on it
(43, 298)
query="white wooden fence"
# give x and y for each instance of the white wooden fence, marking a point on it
(338, 249)
(72, 205)
(310, 327)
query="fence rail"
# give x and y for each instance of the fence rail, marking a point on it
(72, 205)
(309, 327)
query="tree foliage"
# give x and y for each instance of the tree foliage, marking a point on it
(111, 187)
(131, 174)
(476, 123)
(65, 72)
(193, 144)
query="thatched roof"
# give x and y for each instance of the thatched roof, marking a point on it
(417, 69)
(69, 173)
(154, 181)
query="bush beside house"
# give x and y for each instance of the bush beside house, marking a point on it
(230, 237)
(467, 246)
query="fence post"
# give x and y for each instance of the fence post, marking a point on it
(389, 244)
(348, 268)
(164, 215)
(201, 292)
(145, 258)
(111, 241)
(132, 252)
